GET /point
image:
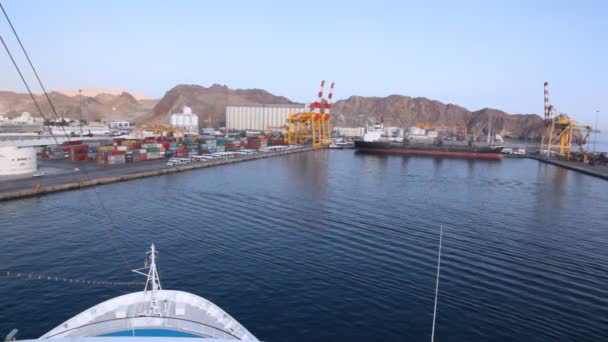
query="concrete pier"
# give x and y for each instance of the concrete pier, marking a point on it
(600, 171)
(28, 188)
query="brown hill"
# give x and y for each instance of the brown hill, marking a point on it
(405, 111)
(520, 126)
(395, 110)
(102, 106)
(207, 102)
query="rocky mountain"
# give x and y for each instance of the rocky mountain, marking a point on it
(405, 111)
(519, 126)
(102, 106)
(95, 92)
(208, 102)
(395, 110)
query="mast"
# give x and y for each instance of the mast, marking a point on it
(152, 283)
(490, 138)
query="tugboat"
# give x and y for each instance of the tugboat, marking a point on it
(151, 313)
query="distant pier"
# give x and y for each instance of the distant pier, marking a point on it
(27, 190)
(600, 171)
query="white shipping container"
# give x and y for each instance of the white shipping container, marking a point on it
(433, 134)
(154, 155)
(416, 131)
(350, 131)
(116, 159)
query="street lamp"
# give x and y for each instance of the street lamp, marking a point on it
(597, 112)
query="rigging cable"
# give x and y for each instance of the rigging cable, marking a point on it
(40, 276)
(437, 282)
(8, 51)
(27, 56)
(103, 208)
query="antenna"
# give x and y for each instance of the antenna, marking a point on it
(437, 282)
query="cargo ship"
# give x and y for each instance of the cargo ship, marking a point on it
(485, 152)
(427, 144)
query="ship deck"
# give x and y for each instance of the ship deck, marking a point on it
(182, 315)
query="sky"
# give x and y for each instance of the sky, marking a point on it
(472, 53)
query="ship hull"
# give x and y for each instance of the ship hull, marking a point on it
(489, 152)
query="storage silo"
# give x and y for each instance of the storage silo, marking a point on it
(17, 160)
(185, 120)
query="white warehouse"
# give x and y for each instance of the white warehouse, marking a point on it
(17, 160)
(260, 116)
(185, 120)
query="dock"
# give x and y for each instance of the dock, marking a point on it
(36, 187)
(600, 171)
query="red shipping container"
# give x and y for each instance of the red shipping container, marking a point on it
(116, 153)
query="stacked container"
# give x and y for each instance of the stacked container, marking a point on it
(116, 157)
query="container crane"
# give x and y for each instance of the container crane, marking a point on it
(313, 126)
(560, 130)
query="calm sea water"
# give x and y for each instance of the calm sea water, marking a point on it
(332, 246)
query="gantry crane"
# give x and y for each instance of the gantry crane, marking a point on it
(559, 131)
(312, 126)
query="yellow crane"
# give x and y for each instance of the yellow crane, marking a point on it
(559, 131)
(314, 125)
(309, 127)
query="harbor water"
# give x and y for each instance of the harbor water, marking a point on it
(331, 246)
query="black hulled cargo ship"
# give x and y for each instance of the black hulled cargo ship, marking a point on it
(442, 149)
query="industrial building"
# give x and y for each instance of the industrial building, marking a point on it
(185, 120)
(260, 116)
(350, 132)
(17, 160)
(120, 124)
(25, 123)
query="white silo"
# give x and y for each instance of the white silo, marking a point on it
(186, 120)
(17, 160)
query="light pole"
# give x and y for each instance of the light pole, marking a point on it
(80, 121)
(597, 112)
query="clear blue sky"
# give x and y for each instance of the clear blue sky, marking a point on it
(472, 53)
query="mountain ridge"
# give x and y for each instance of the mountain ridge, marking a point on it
(210, 103)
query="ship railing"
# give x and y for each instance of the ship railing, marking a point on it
(131, 323)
